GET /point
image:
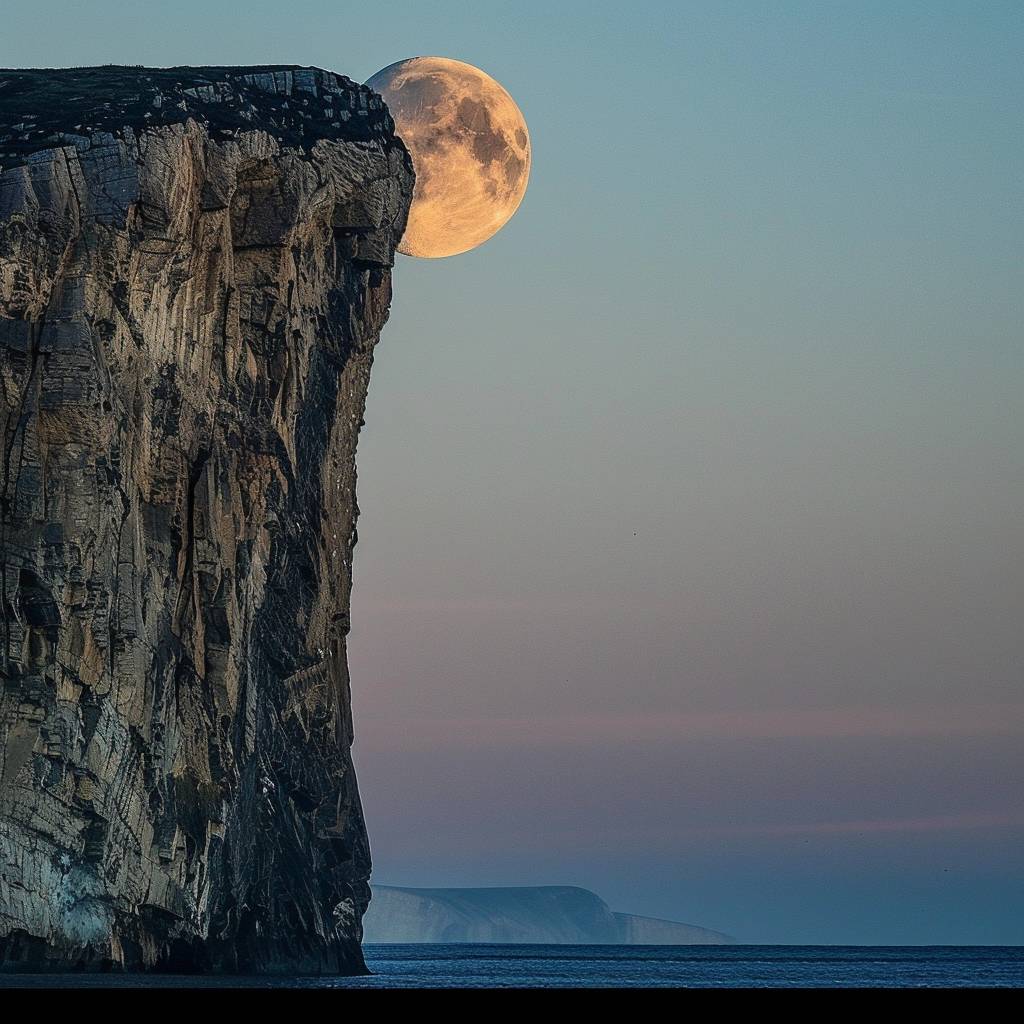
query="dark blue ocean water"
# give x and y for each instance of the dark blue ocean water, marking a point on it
(630, 967)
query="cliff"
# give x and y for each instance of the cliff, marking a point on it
(551, 914)
(635, 930)
(194, 270)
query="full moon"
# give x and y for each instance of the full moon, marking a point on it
(470, 149)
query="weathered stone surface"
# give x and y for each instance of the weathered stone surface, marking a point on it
(194, 269)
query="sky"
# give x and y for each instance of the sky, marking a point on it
(691, 556)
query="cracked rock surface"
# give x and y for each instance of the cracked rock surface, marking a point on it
(194, 270)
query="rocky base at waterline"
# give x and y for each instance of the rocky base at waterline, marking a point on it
(194, 270)
(550, 914)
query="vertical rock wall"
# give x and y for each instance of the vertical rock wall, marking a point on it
(194, 270)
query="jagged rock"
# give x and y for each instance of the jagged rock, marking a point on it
(194, 270)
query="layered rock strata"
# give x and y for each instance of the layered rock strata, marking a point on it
(194, 271)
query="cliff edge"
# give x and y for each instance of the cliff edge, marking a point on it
(194, 270)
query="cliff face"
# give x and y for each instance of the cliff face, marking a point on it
(550, 914)
(194, 270)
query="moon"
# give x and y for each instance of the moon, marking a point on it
(470, 149)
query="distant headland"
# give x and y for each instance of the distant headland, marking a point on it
(550, 914)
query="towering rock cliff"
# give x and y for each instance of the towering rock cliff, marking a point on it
(194, 270)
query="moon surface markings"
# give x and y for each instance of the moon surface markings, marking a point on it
(470, 147)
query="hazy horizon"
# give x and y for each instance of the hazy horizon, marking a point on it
(690, 554)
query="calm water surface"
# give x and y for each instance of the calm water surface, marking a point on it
(630, 967)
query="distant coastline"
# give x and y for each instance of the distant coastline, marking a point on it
(552, 914)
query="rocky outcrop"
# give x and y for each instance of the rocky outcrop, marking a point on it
(550, 914)
(194, 270)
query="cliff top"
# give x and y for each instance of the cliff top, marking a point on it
(42, 108)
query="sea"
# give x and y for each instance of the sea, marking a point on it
(550, 967)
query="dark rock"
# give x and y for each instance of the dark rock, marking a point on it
(194, 270)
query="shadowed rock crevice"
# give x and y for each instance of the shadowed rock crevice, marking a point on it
(194, 270)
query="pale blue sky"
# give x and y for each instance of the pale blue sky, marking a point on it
(691, 560)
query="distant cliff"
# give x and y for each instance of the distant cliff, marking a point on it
(554, 914)
(194, 270)
(653, 931)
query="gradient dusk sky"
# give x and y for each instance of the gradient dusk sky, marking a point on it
(691, 558)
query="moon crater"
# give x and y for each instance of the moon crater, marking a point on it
(470, 148)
